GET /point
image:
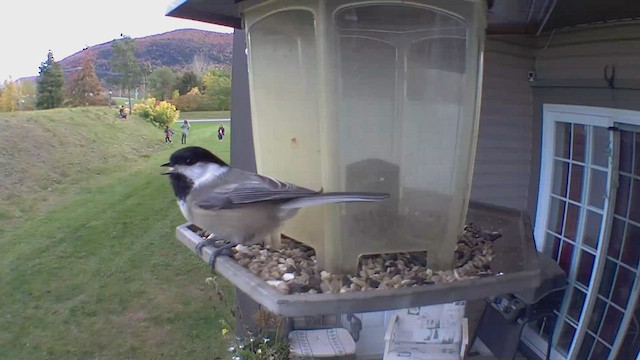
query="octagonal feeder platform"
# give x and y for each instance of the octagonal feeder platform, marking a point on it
(515, 267)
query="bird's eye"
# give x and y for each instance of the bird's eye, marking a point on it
(188, 160)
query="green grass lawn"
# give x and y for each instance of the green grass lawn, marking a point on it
(97, 273)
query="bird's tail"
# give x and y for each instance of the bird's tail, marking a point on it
(334, 197)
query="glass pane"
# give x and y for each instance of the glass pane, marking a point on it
(549, 325)
(565, 338)
(575, 305)
(565, 257)
(622, 195)
(563, 140)
(600, 146)
(600, 351)
(586, 346)
(575, 182)
(571, 222)
(560, 178)
(556, 215)
(585, 268)
(597, 188)
(610, 325)
(552, 246)
(592, 229)
(596, 315)
(630, 347)
(608, 275)
(626, 151)
(622, 287)
(631, 252)
(617, 234)
(634, 208)
(577, 151)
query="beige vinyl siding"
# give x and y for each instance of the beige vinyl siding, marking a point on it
(571, 72)
(503, 158)
(581, 54)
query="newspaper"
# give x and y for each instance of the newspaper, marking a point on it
(427, 333)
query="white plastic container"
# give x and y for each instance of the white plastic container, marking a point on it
(369, 96)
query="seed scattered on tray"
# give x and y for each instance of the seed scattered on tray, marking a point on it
(293, 269)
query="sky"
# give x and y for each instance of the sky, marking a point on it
(30, 28)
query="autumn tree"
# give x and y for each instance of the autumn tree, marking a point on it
(217, 85)
(84, 88)
(124, 63)
(50, 84)
(9, 96)
(187, 81)
(161, 83)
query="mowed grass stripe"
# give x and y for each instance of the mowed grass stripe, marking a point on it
(100, 275)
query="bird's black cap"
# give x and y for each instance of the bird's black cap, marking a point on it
(193, 154)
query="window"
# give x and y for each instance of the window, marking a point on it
(588, 220)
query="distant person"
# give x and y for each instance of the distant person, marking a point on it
(123, 113)
(167, 134)
(185, 130)
(220, 132)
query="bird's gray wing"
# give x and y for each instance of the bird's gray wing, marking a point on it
(253, 189)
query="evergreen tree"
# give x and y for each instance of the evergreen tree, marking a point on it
(187, 81)
(124, 63)
(50, 84)
(84, 88)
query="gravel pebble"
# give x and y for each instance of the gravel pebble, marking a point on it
(292, 269)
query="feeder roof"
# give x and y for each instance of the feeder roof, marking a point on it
(505, 16)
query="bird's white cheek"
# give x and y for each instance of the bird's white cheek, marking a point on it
(183, 208)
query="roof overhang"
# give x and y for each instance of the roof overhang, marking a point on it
(505, 16)
(220, 12)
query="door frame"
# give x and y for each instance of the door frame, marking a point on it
(592, 116)
(596, 116)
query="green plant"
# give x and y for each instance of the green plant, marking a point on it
(263, 343)
(158, 113)
(192, 102)
(50, 84)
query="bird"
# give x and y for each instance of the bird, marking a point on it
(237, 206)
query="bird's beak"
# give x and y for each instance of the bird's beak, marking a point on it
(170, 171)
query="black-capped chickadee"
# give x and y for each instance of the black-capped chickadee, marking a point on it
(238, 206)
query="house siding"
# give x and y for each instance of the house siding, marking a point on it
(503, 157)
(570, 69)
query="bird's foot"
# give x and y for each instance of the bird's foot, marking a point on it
(224, 250)
(211, 240)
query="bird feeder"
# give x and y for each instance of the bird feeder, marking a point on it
(378, 96)
(369, 96)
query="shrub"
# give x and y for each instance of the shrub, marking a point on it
(159, 113)
(192, 102)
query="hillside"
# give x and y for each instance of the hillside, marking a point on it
(91, 269)
(40, 150)
(174, 49)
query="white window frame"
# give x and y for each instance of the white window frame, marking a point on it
(594, 116)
